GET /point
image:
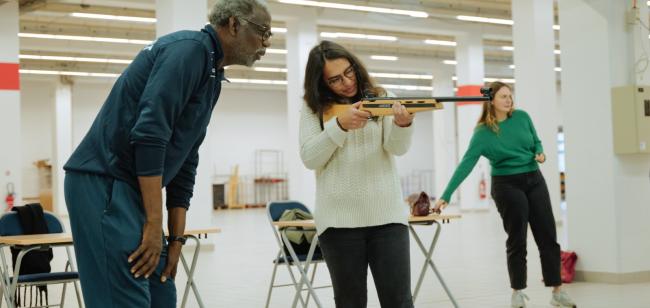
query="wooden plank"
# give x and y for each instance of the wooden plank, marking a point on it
(37, 239)
(66, 238)
(412, 219)
(434, 217)
(199, 231)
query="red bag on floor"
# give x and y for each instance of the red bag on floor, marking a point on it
(568, 259)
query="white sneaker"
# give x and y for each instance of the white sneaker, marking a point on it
(519, 299)
(562, 299)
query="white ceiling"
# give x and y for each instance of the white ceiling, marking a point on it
(415, 57)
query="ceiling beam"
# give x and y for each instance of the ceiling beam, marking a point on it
(31, 5)
(446, 25)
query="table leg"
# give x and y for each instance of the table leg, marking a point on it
(428, 261)
(190, 274)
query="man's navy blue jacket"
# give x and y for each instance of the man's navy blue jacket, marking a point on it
(156, 115)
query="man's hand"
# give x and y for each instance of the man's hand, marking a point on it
(540, 158)
(353, 118)
(147, 256)
(176, 226)
(173, 253)
(402, 117)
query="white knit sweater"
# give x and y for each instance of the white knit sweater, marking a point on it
(357, 184)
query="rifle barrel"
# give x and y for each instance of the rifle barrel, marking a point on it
(462, 99)
(438, 99)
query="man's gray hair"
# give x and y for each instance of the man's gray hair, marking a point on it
(224, 9)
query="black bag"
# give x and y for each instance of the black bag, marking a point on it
(32, 221)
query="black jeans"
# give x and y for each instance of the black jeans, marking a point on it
(349, 251)
(522, 199)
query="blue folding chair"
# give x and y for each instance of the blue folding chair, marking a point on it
(9, 226)
(275, 209)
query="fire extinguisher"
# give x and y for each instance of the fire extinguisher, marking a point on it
(482, 188)
(10, 196)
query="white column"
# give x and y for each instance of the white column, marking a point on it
(300, 39)
(62, 141)
(10, 158)
(176, 15)
(470, 71)
(470, 63)
(607, 194)
(536, 90)
(444, 132)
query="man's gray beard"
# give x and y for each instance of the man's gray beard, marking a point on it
(249, 61)
(241, 58)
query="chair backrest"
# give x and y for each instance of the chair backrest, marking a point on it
(276, 208)
(10, 224)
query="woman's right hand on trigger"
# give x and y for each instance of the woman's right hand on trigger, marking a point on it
(354, 118)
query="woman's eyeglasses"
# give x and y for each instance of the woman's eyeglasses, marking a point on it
(337, 80)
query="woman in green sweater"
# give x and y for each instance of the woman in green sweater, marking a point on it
(507, 138)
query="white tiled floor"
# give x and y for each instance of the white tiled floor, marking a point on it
(235, 268)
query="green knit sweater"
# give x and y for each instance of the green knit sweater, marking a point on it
(510, 151)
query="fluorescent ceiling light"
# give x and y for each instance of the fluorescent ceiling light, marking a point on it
(357, 36)
(270, 69)
(506, 80)
(406, 87)
(38, 72)
(342, 6)
(450, 62)
(376, 75)
(278, 30)
(384, 58)
(66, 73)
(258, 81)
(557, 69)
(441, 43)
(74, 59)
(490, 79)
(276, 51)
(401, 76)
(89, 74)
(113, 17)
(511, 48)
(84, 38)
(485, 20)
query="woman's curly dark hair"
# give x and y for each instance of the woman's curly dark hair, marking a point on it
(317, 94)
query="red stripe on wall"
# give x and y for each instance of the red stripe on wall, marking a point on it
(469, 90)
(9, 76)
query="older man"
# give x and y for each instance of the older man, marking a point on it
(146, 137)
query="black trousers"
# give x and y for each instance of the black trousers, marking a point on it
(349, 251)
(523, 199)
